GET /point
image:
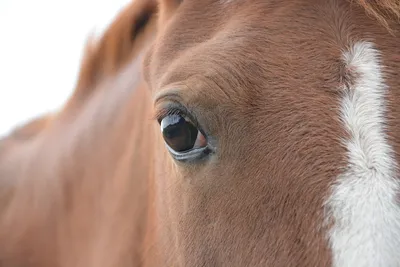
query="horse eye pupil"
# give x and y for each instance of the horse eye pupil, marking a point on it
(178, 133)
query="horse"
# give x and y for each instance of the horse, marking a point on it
(218, 133)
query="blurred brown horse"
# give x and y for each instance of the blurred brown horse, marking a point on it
(279, 142)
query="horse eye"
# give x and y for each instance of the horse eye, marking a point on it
(180, 134)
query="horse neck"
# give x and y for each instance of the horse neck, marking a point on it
(78, 195)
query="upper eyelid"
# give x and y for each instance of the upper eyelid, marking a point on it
(189, 94)
(174, 92)
(165, 109)
(171, 108)
(166, 97)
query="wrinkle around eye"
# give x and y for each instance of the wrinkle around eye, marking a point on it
(198, 96)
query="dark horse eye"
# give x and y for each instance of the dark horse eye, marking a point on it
(180, 134)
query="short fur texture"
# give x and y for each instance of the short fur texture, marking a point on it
(263, 79)
(47, 211)
(363, 205)
(385, 11)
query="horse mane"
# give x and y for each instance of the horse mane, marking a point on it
(121, 42)
(382, 10)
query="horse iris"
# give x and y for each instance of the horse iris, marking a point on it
(180, 134)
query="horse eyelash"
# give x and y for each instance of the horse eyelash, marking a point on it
(168, 112)
(176, 109)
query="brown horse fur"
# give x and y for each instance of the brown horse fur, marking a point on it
(98, 188)
(121, 42)
(23, 133)
(383, 10)
(34, 237)
(30, 128)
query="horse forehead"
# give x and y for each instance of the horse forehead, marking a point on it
(247, 46)
(236, 30)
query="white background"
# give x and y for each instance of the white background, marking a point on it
(41, 44)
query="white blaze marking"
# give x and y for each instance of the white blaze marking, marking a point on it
(363, 206)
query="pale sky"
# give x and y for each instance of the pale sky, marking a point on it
(41, 43)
